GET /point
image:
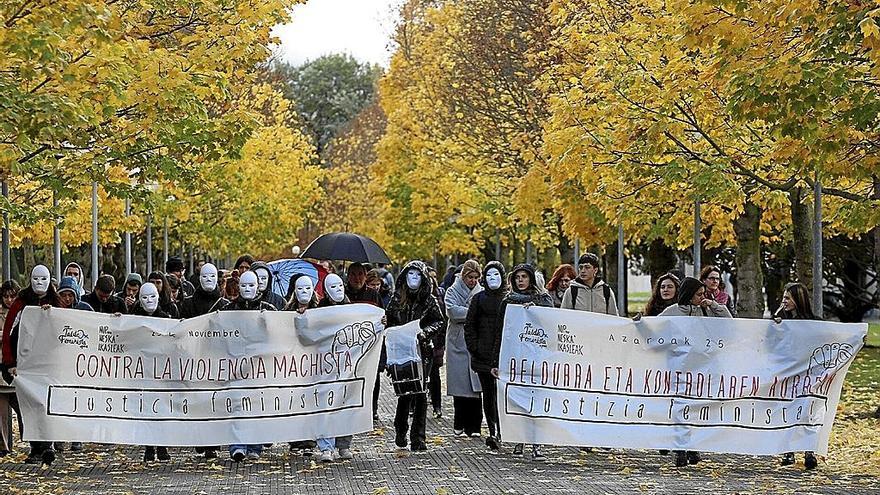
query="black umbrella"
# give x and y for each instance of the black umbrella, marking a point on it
(344, 246)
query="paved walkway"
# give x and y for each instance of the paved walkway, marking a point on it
(451, 466)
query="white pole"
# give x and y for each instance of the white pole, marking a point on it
(149, 244)
(698, 241)
(621, 273)
(94, 233)
(127, 237)
(56, 239)
(818, 303)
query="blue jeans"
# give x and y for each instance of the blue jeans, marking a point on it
(247, 448)
(330, 443)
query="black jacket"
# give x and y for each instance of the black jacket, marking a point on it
(114, 304)
(202, 303)
(268, 295)
(406, 306)
(239, 304)
(159, 313)
(482, 326)
(364, 295)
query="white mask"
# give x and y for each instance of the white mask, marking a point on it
(413, 279)
(40, 280)
(248, 286)
(262, 278)
(208, 277)
(493, 278)
(304, 289)
(149, 297)
(334, 287)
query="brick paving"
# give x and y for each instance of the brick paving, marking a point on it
(451, 466)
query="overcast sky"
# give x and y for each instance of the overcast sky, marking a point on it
(361, 28)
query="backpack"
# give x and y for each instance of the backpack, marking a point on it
(606, 291)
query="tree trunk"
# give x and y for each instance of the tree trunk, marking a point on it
(802, 226)
(747, 227)
(661, 260)
(30, 260)
(610, 274)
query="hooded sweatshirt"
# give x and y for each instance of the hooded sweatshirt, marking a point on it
(202, 302)
(269, 295)
(590, 298)
(689, 287)
(407, 305)
(69, 284)
(483, 323)
(79, 279)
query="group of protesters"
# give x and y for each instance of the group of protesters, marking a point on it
(460, 321)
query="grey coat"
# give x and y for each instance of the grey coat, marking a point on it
(461, 381)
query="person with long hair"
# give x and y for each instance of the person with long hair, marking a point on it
(8, 292)
(559, 283)
(665, 294)
(166, 299)
(461, 381)
(796, 306)
(692, 301)
(524, 289)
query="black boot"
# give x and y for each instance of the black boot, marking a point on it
(681, 458)
(693, 457)
(787, 459)
(48, 456)
(149, 453)
(810, 461)
(162, 454)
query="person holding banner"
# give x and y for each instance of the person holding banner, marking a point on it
(413, 301)
(301, 297)
(149, 305)
(692, 301)
(334, 292)
(462, 383)
(482, 335)
(42, 293)
(204, 300)
(248, 300)
(526, 291)
(796, 306)
(665, 294)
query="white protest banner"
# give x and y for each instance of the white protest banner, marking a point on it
(230, 377)
(679, 383)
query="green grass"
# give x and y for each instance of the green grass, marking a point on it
(874, 334)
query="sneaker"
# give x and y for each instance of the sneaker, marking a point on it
(48, 457)
(210, 454)
(458, 433)
(162, 454)
(471, 434)
(438, 413)
(537, 455)
(326, 456)
(308, 452)
(693, 457)
(254, 456)
(238, 455)
(663, 452)
(518, 449)
(149, 454)
(681, 458)
(787, 459)
(76, 446)
(492, 443)
(810, 461)
(345, 454)
(419, 447)
(375, 416)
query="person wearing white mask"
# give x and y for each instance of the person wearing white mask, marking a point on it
(148, 305)
(42, 293)
(265, 285)
(482, 336)
(334, 295)
(414, 300)
(248, 300)
(204, 300)
(300, 298)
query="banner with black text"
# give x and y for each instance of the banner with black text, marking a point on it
(679, 383)
(227, 377)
